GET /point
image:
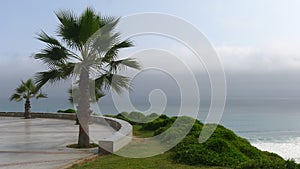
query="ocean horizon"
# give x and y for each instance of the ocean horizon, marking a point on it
(270, 124)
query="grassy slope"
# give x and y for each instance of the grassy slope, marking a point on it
(224, 148)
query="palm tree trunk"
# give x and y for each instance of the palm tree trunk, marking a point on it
(84, 109)
(27, 114)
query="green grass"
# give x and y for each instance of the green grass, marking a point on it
(157, 162)
(138, 132)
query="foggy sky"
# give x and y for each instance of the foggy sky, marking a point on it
(257, 42)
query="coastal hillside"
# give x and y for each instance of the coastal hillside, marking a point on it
(223, 148)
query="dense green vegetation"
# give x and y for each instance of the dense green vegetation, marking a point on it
(223, 149)
(66, 111)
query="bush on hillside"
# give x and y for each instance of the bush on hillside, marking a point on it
(136, 118)
(67, 111)
(266, 164)
(161, 121)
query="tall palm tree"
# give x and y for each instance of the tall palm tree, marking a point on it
(27, 90)
(88, 49)
(73, 97)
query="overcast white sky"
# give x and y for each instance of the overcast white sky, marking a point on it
(257, 41)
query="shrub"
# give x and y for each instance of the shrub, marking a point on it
(151, 117)
(162, 121)
(67, 111)
(160, 130)
(291, 164)
(224, 133)
(163, 116)
(266, 164)
(136, 117)
(173, 134)
(249, 151)
(199, 154)
(124, 114)
(217, 145)
(154, 125)
(263, 164)
(133, 118)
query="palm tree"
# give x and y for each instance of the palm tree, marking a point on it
(74, 92)
(27, 90)
(73, 97)
(88, 48)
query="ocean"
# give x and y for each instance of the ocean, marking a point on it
(271, 124)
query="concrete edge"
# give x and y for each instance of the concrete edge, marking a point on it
(66, 116)
(121, 138)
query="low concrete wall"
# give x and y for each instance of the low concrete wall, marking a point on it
(67, 116)
(121, 137)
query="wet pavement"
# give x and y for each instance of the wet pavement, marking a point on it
(41, 143)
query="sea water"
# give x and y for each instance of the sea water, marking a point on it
(271, 124)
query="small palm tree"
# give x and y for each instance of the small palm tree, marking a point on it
(27, 90)
(88, 48)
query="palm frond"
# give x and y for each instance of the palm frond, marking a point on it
(116, 82)
(30, 85)
(16, 97)
(21, 88)
(55, 74)
(53, 55)
(101, 43)
(69, 28)
(89, 24)
(104, 39)
(122, 64)
(98, 94)
(41, 95)
(47, 39)
(112, 53)
(41, 78)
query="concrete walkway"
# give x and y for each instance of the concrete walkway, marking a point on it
(41, 143)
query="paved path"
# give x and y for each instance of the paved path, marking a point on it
(41, 143)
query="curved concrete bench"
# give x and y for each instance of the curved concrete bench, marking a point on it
(120, 138)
